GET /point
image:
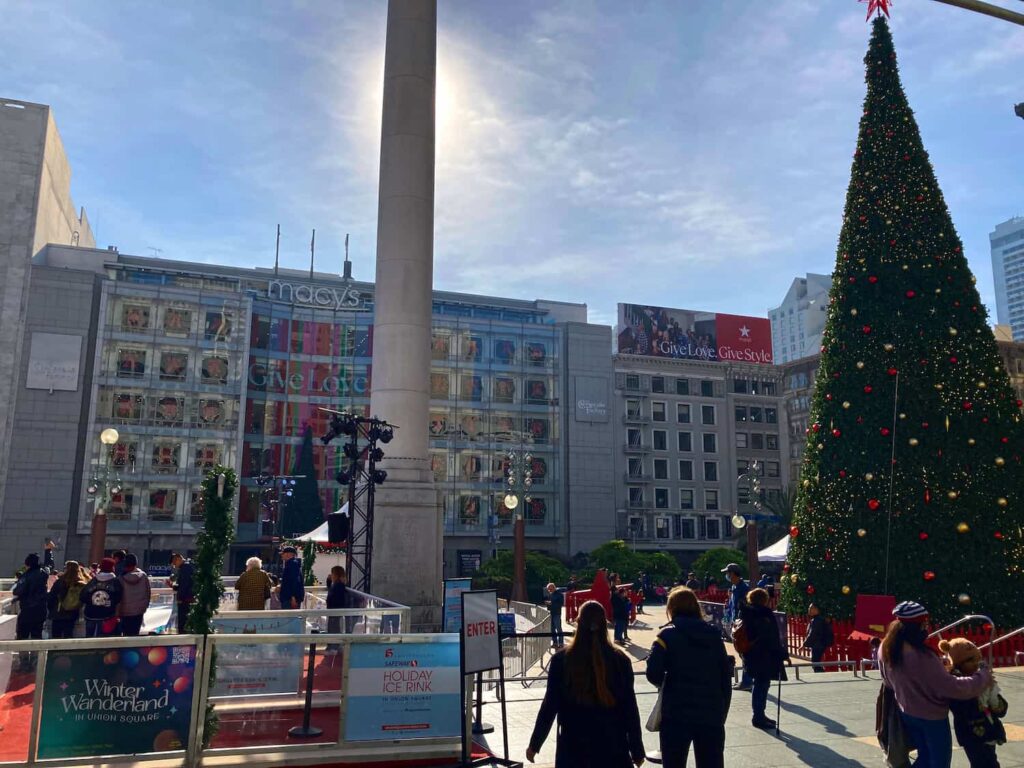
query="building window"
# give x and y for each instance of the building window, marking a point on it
(661, 498)
(662, 527)
(685, 527)
(710, 440)
(711, 500)
(685, 469)
(685, 441)
(134, 317)
(771, 416)
(772, 468)
(636, 526)
(163, 503)
(769, 388)
(683, 413)
(756, 414)
(772, 442)
(214, 370)
(661, 469)
(741, 413)
(633, 409)
(635, 469)
(757, 441)
(682, 386)
(131, 363)
(739, 386)
(741, 466)
(632, 381)
(714, 528)
(658, 411)
(742, 495)
(658, 384)
(686, 498)
(711, 471)
(196, 508)
(660, 440)
(633, 437)
(636, 496)
(173, 366)
(707, 388)
(707, 414)
(741, 439)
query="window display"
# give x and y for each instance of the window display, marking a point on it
(439, 386)
(173, 366)
(128, 406)
(215, 370)
(131, 363)
(169, 411)
(218, 326)
(177, 322)
(469, 510)
(166, 456)
(504, 389)
(163, 504)
(135, 317)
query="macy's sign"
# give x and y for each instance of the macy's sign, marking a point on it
(316, 295)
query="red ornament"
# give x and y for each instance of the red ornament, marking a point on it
(923, 536)
(836, 433)
(1020, 403)
(828, 555)
(842, 473)
(927, 496)
(874, 504)
(892, 371)
(872, 279)
(998, 535)
(853, 280)
(924, 425)
(816, 426)
(910, 294)
(785, 568)
(866, 329)
(867, 389)
(1004, 439)
(810, 589)
(884, 431)
(929, 575)
(967, 405)
(794, 532)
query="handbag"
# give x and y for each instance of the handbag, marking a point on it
(654, 719)
(741, 638)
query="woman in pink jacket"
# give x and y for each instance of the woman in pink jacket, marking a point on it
(922, 686)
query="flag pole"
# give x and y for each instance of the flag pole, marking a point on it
(277, 250)
(312, 250)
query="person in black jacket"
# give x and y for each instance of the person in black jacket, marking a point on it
(819, 635)
(766, 655)
(620, 614)
(182, 582)
(100, 598)
(30, 590)
(590, 690)
(690, 663)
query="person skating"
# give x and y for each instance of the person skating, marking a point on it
(136, 595)
(689, 662)
(292, 592)
(182, 582)
(590, 690)
(101, 598)
(765, 656)
(65, 600)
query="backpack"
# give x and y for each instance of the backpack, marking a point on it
(741, 638)
(72, 600)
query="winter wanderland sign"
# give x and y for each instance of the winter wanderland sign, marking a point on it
(117, 702)
(408, 690)
(683, 334)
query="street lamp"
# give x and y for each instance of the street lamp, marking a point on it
(739, 521)
(519, 472)
(103, 485)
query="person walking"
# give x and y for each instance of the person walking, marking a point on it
(253, 586)
(620, 615)
(118, 556)
(136, 595)
(590, 691)
(101, 598)
(638, 589)
(737, 599)
(922, 685)
(182, 582)
(556, 602)
(691, 582)
(337, 598)
(30, 592)
(819, 636)
(65, 601)
(292, 591)
(690, 665)
(766, 655)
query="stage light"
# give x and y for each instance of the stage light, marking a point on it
(351, 451)
(342, 477)
(379, 476)
(387, 434)
(376, 454)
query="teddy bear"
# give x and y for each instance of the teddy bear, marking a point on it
(976, 721)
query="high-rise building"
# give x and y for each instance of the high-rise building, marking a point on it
(1007, 243)
(35, 209)
(798, 322)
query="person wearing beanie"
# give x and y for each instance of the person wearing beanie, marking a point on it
(922, 686)
(136, 593)
(101, 598)
(30, 592)
(976, 722)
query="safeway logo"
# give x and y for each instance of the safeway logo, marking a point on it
(389, 653)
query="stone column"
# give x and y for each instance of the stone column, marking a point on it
(407, 520)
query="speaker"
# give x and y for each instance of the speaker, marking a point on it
(337, 527)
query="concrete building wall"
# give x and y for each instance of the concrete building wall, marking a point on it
(44, 477)
(57, 219)
(1007, 247)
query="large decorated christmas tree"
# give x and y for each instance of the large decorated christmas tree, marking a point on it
(912, 478)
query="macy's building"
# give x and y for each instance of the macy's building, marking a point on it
(197, 364)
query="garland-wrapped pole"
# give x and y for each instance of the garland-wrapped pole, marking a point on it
(308, 558)
(219, 487)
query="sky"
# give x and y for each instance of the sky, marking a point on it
(683, 153)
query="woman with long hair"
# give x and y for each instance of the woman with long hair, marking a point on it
(922, 686)
(590, 690)
(65, 602)
(691, 666)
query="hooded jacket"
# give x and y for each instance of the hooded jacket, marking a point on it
(31, 591)
(766, 655)
(101, 596)
(136, 592)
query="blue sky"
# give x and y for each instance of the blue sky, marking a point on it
(686, 153)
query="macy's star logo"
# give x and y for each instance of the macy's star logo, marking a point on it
(744, 332)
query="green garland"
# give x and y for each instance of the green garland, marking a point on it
(212, 544)
(308, 558)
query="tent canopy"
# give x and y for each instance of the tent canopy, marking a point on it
(776, 553)
(319, 534)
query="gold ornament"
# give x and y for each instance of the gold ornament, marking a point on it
(860, 364)
(938, 290)
(964, 599)
(846, 403)
(792, 578)
(903, 416)
(821, 446)
(1002, 502)
(912, 441)
(1000, 461)
(868, 476)
(952, 494)
(888, 347)
(853, 311)
(970, 441)
(807, 483)
(952, 331)
(938, 386)
(981, 385)
(861, 532)
(846, 589)
(962, 528)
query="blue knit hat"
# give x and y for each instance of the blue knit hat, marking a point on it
(910, 611)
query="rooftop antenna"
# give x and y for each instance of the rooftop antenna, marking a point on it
(312, 250)
(347, 269)
(277, 250)
(155, 251)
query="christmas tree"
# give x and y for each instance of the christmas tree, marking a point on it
(304, 511)
(911, 483)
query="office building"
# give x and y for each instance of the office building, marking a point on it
(797, 323)
(1007, 244)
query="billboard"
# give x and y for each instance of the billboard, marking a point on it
(684, 334)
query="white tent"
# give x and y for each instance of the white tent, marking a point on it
(319, 534)
(776, 553)
(324, 561)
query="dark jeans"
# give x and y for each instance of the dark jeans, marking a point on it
(620, 629)
(708, 746)
(131, 626)
(183, 611)
(558, 638)
(63, 628)
(94, 628)
(933, 739)
(816, 654)
(982, 755)
(759, 697)
(29, 625)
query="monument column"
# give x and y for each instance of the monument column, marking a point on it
(407, 518)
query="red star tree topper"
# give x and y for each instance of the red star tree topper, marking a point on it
(877, 6)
